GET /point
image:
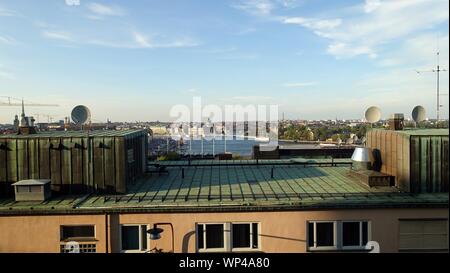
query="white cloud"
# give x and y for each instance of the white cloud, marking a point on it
(7, 40)
(7, 12)
(314, 24)
(367, 27)
(299, 84)
(341, 50)
(58, 35)
(381, 22)
(140, 40)
(257, 7)
(423, 47)
(105, 10)
(371, 5)
(264, 7)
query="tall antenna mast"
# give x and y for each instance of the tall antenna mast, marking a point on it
(438, 70)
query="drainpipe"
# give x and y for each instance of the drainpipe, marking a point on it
(106, 232)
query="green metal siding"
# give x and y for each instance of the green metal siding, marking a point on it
(65, 160)
(429, 166)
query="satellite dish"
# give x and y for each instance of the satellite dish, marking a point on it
(81, 114)
(419, 113)
(373, 114)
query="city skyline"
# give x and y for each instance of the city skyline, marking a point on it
(134, 61)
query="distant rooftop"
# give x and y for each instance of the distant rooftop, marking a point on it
(233, 186)
(63, 134)
(420, 132)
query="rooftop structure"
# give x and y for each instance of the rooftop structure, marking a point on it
(75, 161)
(417, 158)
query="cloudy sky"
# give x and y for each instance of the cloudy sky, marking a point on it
(133, 60)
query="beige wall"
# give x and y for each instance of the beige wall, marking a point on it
(280, 231)
(42, 233)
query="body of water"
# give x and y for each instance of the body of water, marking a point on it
(243, 147)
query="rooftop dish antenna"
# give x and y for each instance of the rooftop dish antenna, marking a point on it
(419, 114)
(81, 115)
(373, 114)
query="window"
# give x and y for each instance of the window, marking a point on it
(77, 232)
(423, 235)
(324, 235)
(225, 237)
(133, 238)
(245, 236)
(354, 234)
(211, 237)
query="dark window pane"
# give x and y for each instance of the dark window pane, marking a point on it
(130, 237)
(311, 234)
(214, 236)
(365, 233)
(241, 235)
(200, 236)
(255, 235)
(77, 232)
(325, 234)
(144, 237)
(350, 234)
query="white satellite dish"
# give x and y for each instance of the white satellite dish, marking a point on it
(81, 114)
(419, 114)
(373, 114)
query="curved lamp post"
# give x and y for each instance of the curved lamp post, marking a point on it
(155, 233)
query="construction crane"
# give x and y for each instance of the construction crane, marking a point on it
(50, 118)
(11, 101)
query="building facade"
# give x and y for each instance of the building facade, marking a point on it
(283, 205)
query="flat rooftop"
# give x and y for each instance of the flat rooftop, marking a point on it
(238, 185)
(70, 134)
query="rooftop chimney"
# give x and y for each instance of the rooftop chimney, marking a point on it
(396, 122)
(362, 158)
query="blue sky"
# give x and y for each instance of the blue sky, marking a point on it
(133, 60)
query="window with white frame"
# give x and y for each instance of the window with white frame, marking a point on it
(337, 235)
(226, 237)
(355, 234)
(133, 238)
(244, 236)
(322, 235)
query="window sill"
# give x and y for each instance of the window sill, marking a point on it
(79, 239)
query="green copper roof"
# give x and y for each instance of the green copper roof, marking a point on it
(245, 187)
